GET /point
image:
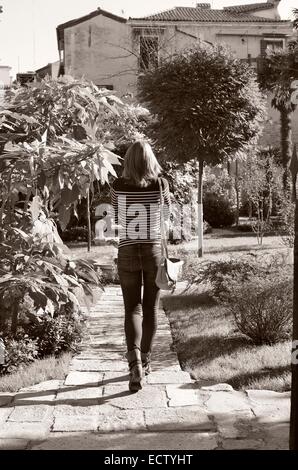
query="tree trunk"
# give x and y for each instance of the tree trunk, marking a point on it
(237, 193)
(294, 394)
(200, 210)
(88, 221)
(286, 145)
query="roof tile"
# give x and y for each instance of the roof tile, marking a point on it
(206, 15)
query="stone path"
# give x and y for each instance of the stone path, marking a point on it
(93, 409)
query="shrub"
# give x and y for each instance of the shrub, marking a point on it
(76, 234)
(218, 210)
(262, 308)
(287, 221)
(221, 276)
(19, 351)
(55, 335)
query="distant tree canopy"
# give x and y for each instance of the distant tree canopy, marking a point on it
(279, 72)
(207, 103)
(207, 106)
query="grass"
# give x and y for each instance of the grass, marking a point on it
(211, 350)
(41, 370)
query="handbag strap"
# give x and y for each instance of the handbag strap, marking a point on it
(164, 248)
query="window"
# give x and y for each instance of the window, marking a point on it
(271, 44)
(148, 52)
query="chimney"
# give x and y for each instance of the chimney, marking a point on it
(204, 6)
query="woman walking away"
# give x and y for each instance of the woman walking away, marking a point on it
(137, 206)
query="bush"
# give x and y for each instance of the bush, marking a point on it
(218, 210)
(55, 335)
(222, 276)
(262, 309)
(19, 351)
(75, 234)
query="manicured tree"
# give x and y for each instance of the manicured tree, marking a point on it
(207, 105)
(278, 73)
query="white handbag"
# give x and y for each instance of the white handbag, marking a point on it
(169, 268)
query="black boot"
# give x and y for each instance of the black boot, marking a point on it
(135, 368)
(146, 358)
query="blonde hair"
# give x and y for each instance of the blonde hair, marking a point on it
(140, 163)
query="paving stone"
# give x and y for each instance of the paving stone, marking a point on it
(234, 425)
(28, 431)
(269, 406)
(225, 402)
(6, 398)
(268, 397)
(242, 444)
(169, 377)
(34, 397)
(79, 395)
(178, 419)
(129, 441)
(75, 418)
(31, 413)
(99, 340)
(218, 388)
(47, 386)
(13, 444)
(120, 397)
(276, 435)
(182, 395)
(121, 420)
(98, 365)
(83, 378)
(4, 413)
(115, 378)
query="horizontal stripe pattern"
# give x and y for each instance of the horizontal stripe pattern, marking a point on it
(138, 211)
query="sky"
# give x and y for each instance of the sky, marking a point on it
(28, 27)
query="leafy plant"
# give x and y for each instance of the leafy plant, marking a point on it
(31, 268)
(55, 335)
(19, 352)
(263, 308)
(218, 211)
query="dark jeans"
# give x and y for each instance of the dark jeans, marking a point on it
(137, 265)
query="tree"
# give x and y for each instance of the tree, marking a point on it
(278, 74)
(66, 128)
(57, 139)
(296, 18)
(207, 105)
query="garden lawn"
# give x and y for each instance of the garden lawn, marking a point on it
(40, 370)
(212, 351)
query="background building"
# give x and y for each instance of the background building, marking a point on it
(111, 51)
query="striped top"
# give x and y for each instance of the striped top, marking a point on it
(137, 210)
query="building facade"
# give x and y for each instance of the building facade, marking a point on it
(111, 51)
(51, 70)
(5, 78)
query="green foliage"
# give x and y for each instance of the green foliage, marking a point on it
(55, 335)
(261, 183)
(287, 221)
(32, 269)
(207, 104)
(19, 352)
(279, 71)
(75, 234)
(222, 276)
(263, 308)
(218, 211)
